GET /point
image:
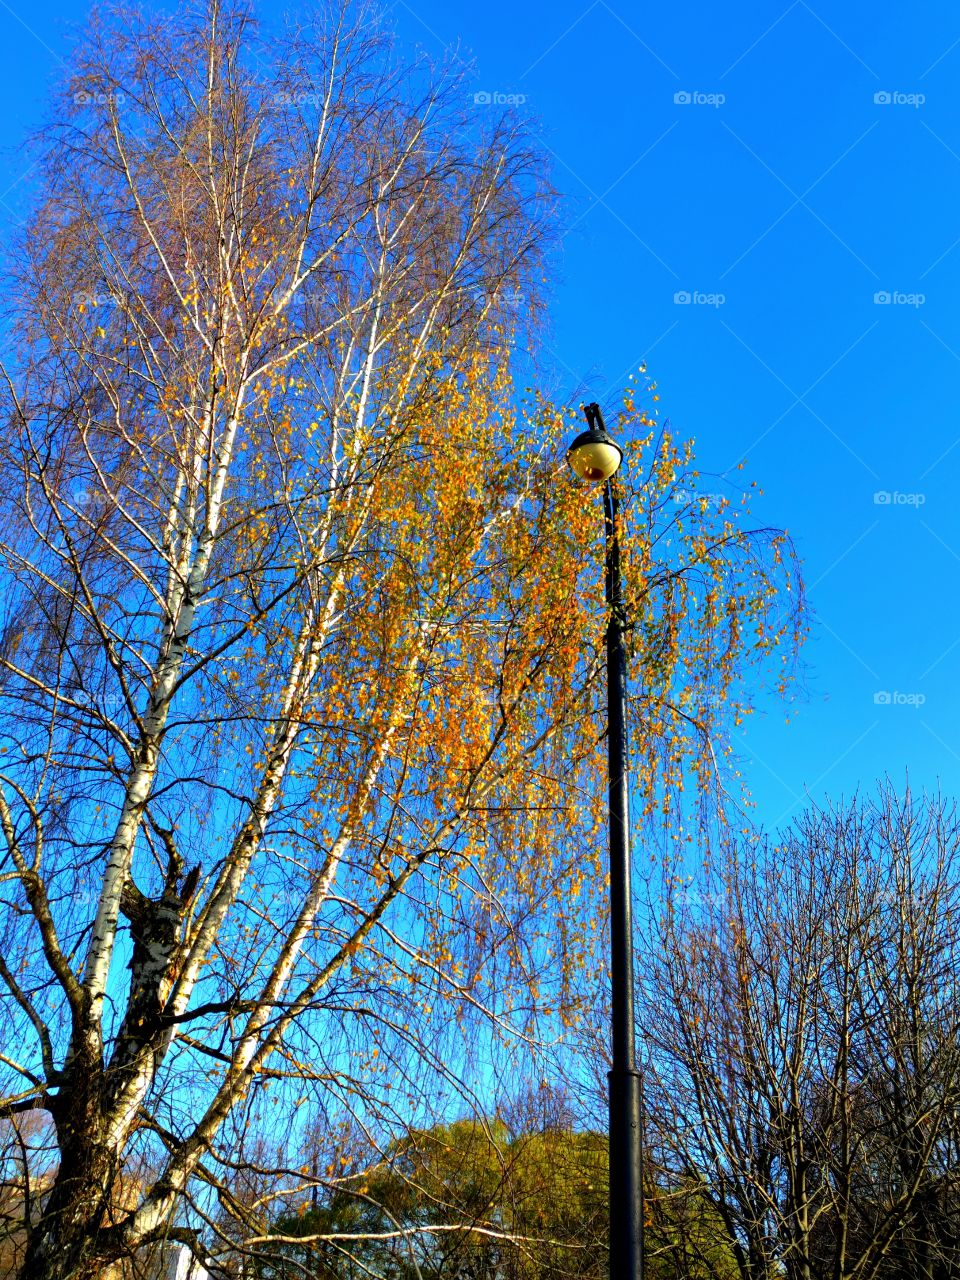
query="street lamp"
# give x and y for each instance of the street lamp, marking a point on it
(595, 457)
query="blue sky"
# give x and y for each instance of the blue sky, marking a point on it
(794, 170)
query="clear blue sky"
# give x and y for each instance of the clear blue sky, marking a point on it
(814, 166)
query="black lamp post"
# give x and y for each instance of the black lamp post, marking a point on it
(595, 457)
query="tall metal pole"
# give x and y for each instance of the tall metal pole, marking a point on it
(626, 1098)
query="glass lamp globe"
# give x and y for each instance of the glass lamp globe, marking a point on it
(593, 456)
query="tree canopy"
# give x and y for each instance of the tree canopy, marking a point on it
(473, 1199)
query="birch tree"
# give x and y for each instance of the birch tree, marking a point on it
(300, 643)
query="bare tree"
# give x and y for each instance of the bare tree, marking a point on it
(298, 660)
(803, 1002)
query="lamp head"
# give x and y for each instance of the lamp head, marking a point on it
(594, 456)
